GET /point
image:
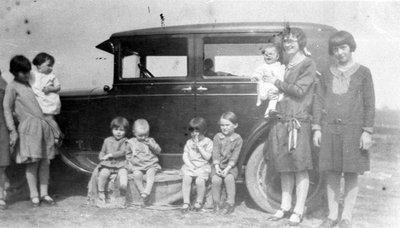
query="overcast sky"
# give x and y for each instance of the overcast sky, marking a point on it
(70, 29)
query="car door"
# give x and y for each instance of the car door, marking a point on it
(163, 93)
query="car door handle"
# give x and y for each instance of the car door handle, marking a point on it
(187, 89)
(201, 88)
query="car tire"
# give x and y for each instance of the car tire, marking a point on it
(264, 187)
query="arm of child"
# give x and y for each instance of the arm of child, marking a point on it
(206, 152)
(128, 151)
(216, 154)
(103, 155)
(8, 106)
(54, 87)
(153, 146)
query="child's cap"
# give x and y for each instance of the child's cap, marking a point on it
(198, 124)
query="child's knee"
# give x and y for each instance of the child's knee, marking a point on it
(200, 181)
(216, 180)
(138, 175)
(229, 178)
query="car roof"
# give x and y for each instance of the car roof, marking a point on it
(213, 28)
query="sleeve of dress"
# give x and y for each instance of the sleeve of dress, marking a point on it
(258, 73)
(8, 105)
(318, 103)
(56, 82)
(303, 83)
(368, 94)
(236, 152)
(155, 148)
(208, 149)
(216, 154)
(103, 150)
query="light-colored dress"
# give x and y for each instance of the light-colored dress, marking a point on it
(36, 132)
(141, 157)
(202, 166)
(50, 103)
(263, 88)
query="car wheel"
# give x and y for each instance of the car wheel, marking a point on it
(264, 186)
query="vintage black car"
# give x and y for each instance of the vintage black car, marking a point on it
(168, 75)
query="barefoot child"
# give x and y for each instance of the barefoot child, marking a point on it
(4, 146)
(46, 86)
(36, 145)
(227, 146)
(196, 155)
(271, 67)
(142, 155)
(112, 157)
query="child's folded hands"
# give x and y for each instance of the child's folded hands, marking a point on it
(107, 156)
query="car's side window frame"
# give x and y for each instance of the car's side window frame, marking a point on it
(190, 74)
(201, 51)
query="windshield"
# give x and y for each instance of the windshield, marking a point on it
(154, 58)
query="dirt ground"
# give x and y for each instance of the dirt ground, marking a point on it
(378, 203)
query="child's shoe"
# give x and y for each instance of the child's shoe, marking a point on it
(197, 206)
(48, 200)
(102, 197)
(216, 208)
(228, 209)
(145, 200)
(185, 208)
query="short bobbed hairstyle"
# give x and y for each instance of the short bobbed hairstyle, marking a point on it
(295, 32)
(43, 57)
(20, 63)
(120, 122)
(230, 116)
(198, 124)
(340, 38)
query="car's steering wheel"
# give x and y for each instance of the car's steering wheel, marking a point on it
(146, 73)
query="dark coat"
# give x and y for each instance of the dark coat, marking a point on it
(343, 117)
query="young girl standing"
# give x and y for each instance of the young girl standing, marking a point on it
(343, 122)
(226, 149)
(112, 157)
(36, 133)
(142, 155)
(196, 155)
(4, 146)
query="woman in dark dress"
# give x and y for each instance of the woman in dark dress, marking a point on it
(290, 138)
(4, 145)
(344, 113)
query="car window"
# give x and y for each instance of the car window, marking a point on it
(153, 58)
(233, 56)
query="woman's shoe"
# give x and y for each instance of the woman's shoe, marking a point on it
(48, 200)
(185, 208)
(3, 204)
(279, 214)
(35, 202)
(295, 219)
(328, 223)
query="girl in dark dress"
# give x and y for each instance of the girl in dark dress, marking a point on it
(289, 140)
(344, 112)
